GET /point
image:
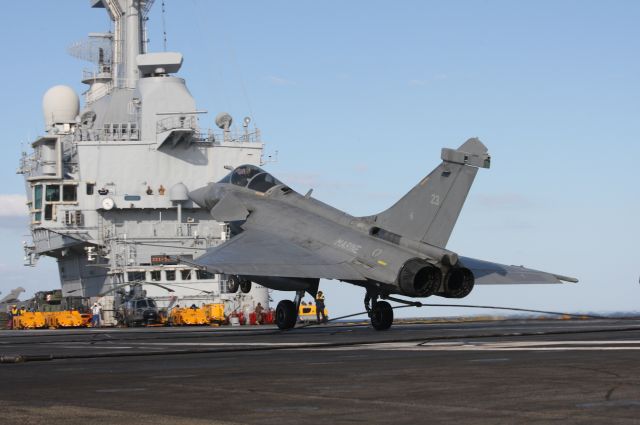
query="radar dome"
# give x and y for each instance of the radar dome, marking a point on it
(60, 105)
(179, 192)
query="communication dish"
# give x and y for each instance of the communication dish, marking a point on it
(223, 120)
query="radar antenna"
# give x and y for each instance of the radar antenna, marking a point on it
(128, 38)
(96, 49)
(223, 121)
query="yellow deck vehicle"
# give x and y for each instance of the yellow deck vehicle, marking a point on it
(64, 319)
(29, 320)
(188, 316)
(307, 313)
(86, 319)
(214, 312)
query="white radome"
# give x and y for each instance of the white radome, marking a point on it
(60, 105)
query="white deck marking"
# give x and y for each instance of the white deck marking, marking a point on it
(630, 345)
(101, 347)
(228, 344)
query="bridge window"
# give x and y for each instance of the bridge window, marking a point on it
(48, 212)
(203, 274)
(52, 193)
(170, 275)
(37, 203)
(37, 197)
(155, 275)
(136, 276)
(185, 274)
(69, 193)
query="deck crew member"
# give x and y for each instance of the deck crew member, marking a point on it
(320, 307)
(259, 314)
(95, 318)
(13, 313)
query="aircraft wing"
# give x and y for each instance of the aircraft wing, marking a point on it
(258, 253)
(487, 273)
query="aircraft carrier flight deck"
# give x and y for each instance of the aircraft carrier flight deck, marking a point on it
(510, 371)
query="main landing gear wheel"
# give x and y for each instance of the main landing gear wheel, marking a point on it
(381, 316)
(286, 314)
(233, 283)
(245, 286)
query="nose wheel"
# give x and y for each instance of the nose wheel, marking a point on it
(380, 312)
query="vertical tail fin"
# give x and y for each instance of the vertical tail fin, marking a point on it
(430, 210)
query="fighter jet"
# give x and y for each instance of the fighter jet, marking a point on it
(288, 241)
(11, 298)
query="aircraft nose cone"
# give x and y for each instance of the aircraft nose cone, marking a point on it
(200, 196)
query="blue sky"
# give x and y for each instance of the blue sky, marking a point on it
(358, 97)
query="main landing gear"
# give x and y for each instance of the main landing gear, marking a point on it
(287, 312)
(235, 282)
(380, 312)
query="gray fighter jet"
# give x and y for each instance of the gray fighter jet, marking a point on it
(13, 296)
(288, 241)
(11, 299)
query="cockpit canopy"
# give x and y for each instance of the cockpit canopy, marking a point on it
(251, 177)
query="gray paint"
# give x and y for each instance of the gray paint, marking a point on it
(13, 296)
(138, 145)
(287, 235)
(439, 196)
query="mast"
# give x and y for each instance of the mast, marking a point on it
(128, 18)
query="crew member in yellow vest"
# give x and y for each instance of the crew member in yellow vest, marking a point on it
(13, 313)
(320, 307)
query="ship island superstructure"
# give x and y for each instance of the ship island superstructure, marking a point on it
(107, 183)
